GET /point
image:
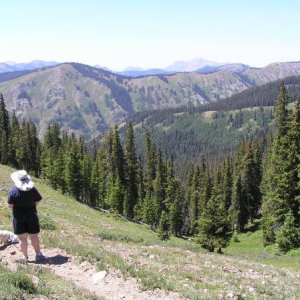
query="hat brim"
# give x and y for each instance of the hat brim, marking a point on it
(23, 185)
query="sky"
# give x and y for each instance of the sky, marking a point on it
(150, 33)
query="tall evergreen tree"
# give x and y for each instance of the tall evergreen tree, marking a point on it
(214, 225)
(246, 194)
(236, 211)
(4, 132)
(99, 179)
(86, 173)
(116, 195)
(163, 227)
(117, 157)
(52, 166)
(138, 209)
(117, 178)
(195, 199)
(150, 171)
(72, 170)
(281, 111)
(14, 140)
(159, 187)
(175, 201)
(148, 211)
(227, 183)
(131, 172)
(29, 148)
(294, 142)
(281, 190)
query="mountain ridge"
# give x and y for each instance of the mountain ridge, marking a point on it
(89, 100)
(11, 66)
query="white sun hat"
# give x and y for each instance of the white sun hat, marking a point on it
(22, 180)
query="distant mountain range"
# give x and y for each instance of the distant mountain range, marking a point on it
(10, 66)
(89, 100)
(196, 65)
(179, 66)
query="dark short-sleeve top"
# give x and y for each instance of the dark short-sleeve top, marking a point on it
(24, 202)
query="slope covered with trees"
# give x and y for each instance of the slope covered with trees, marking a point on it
(260, 181)
(215, 129)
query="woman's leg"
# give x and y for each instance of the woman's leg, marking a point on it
(23, 244)
(35, 242)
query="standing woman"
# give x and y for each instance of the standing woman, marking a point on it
(23, 199)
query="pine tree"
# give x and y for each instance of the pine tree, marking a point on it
(14, 140)
(117, 158)
(288, 235)
(227, 183)
(29, 148)
(187, 226)
(59, 170)
(281, 111)
(138, 209)
(294, 141)
(148, 211)
(236, 211)
(282, 188)
(206, 189)
(150, 171)
(116, 195)
(163, 227)
(195, 198)
(85, 174)
(159, 187)
(72, 170)
(95, 182)
(131, 170)
(52, 138)
(175, 201)
(52, 166)
(214, 225)
(35, 148)
(100, 179)
(116, 172)
(246, 194)
(4, 132)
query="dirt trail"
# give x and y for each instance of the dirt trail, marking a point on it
(111, 284)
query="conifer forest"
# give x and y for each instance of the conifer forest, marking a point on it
(257, 186)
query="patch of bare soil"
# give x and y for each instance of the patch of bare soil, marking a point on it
(109, 284)
(208, 114)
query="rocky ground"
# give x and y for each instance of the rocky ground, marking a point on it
(108, 284)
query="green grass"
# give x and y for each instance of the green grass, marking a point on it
(19, 285)
(250, 247)
(177, 265)
(15, 284)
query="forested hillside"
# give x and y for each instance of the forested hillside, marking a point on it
(88, 101)
(260, 182)
(187, 136)
(215, 129)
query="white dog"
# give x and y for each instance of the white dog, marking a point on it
(7, 237)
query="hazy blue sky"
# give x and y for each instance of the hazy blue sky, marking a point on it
(152, 33)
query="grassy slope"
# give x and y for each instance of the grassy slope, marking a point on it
(178, 265)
